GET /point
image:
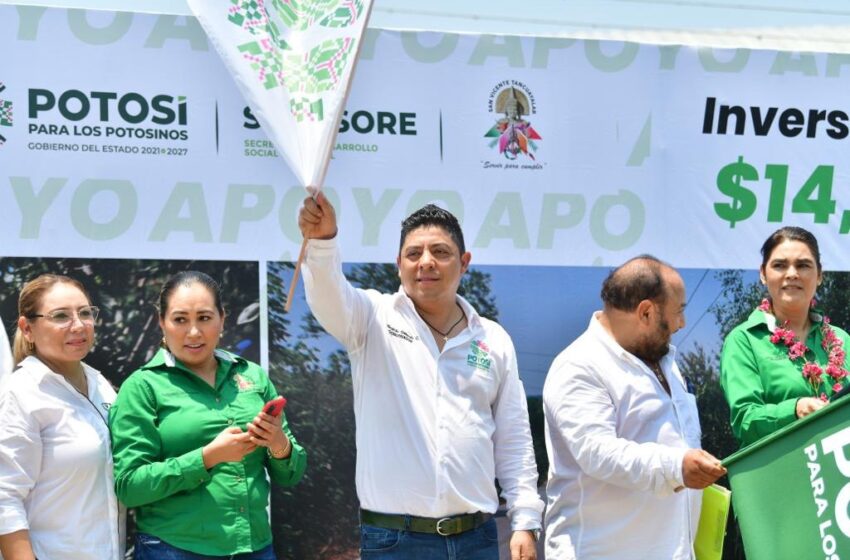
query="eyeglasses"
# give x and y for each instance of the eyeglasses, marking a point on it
(64, 317)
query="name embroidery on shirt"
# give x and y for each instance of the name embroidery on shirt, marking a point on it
(398, 333)
(479, 355)
(241, 383)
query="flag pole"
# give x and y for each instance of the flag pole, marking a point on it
(294, 281)
(314, 191)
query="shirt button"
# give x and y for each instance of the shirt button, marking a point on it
(242, 510)
(230, 421)
(218, 399)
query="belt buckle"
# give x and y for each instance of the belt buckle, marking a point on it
(444, 532)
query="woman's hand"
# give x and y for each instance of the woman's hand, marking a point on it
(807, 405)
(230, 446)
(265, 431)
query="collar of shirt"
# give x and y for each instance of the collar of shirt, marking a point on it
(608, 341)
(226, 361)
(40, 373)
(403, 302)
(39, 368)
(758, 318)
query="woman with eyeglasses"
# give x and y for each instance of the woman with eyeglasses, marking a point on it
(57, 498)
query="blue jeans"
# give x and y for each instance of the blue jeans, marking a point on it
(149, 547)
(393, 544)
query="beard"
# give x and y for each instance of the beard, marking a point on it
(655, 345)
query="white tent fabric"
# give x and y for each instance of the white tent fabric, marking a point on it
(795, 25)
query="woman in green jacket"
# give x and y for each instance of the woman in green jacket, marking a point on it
(191, 444)
(785, 360)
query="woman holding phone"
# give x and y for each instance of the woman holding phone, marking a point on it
(192, 444)
(57, 497)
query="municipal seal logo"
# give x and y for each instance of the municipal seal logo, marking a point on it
(479, 355)
(513, 134)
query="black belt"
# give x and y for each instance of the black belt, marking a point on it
(444, 526)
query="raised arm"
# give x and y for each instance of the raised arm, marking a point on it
(342, 310)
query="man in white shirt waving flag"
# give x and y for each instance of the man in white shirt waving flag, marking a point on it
(440, 409)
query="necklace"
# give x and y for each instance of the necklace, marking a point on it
(656, 369)
(797, 350)
(446, 334)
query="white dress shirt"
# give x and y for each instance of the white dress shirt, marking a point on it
(616, 441)
(434, 429)
(56, 465)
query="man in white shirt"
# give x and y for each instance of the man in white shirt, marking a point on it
(622, 431)
(440, 409)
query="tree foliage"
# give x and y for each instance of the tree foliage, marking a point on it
(127, 331)
(739, 300)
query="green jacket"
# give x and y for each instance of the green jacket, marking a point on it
(761, 384)
(163, 416)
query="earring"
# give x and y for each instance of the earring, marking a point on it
(31, 346)
(163, 343)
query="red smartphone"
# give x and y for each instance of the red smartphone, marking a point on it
(275, 406)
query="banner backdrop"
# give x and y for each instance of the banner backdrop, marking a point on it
(123, 136)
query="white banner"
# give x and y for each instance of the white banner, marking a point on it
(135, 143)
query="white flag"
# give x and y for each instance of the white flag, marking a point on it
(293, 61)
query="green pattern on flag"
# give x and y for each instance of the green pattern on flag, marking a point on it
(276, 62)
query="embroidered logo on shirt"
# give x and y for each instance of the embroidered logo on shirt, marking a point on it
(241, 383)
(398, 333)
(479, 355)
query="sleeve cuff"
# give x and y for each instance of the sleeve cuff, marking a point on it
(677, 476)
(13, 518)
(322, 246)
(192, 466)
(786, 412)
(525, 519)
(289, 471)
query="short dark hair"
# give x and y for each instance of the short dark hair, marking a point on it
(433, 215)
(187, 278)
(790, 233)
(632, 282)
